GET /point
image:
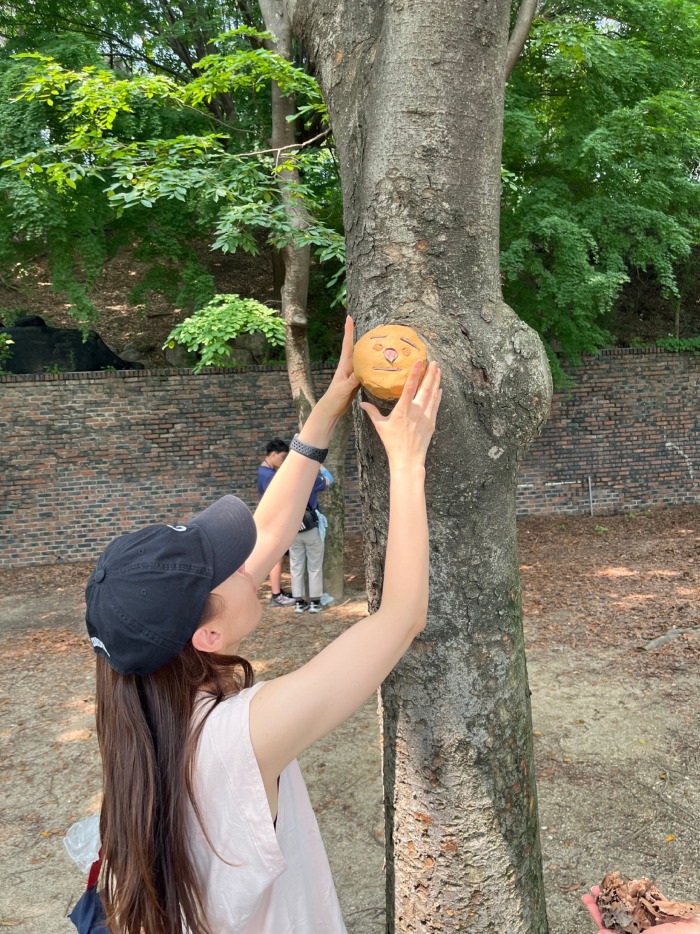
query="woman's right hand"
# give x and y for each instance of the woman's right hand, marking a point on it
(672, 927)
(407, 431)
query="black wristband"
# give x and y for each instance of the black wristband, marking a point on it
(316, 454)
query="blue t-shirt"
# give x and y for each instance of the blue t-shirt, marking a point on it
(319, 487)
(265, 475)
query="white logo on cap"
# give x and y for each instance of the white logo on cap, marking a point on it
(99, 644)
(178, 528)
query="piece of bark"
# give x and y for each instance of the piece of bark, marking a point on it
(635, 905)
(667, 636)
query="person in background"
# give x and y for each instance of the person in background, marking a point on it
(276, 452)
(306, 552)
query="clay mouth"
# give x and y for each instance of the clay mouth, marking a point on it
(387, 369)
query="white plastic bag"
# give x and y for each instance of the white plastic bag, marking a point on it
(322, 525)
(83, 842)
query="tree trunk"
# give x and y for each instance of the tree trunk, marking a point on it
(415, 94)
(334, 507)
(516, 43)
(294, 293)
(295, 285)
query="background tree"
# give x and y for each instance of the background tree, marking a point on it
(602, 135)
(415, 95)
(296, 259)
(75, 228)
(208, 80)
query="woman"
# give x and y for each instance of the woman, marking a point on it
(206, 826)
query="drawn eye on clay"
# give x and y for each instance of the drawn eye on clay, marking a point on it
(383, 358)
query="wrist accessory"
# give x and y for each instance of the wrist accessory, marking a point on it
(307, 450)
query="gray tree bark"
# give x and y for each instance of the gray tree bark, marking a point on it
(415, 94)
(518, 37)
(333, 506)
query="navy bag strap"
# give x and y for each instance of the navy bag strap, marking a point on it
(88, 915)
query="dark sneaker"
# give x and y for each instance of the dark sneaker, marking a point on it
(301, 605)
(282, 600)
(315, 606)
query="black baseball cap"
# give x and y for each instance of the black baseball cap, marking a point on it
(146, 595)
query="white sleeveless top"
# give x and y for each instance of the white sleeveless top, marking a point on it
(266, 878)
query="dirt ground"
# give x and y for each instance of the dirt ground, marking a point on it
(616, 726)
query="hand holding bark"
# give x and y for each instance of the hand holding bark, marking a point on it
(641, 920)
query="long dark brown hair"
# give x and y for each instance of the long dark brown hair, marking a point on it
(148, 746)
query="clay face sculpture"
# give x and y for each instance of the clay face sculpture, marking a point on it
(383, 358)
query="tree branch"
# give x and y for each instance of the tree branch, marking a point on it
(516, 42)
(278, 150)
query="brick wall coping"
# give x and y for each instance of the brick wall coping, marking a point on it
(264, 368)
(142, 374)
(620, 351)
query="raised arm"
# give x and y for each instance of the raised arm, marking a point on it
(293, 711)
(281, 509)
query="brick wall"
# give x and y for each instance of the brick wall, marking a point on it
(85, 456)
(625, 437)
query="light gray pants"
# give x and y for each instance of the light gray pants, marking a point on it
(306, 553)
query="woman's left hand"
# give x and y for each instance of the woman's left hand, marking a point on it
(338, 397)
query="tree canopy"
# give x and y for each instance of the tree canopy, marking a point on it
(134, 132)
(602, 135)
(165, 111)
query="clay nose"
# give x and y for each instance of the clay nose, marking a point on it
(390, 354)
